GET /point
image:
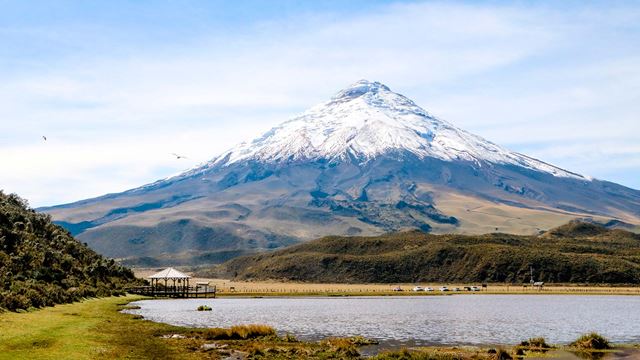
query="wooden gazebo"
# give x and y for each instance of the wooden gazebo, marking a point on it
(174, 281)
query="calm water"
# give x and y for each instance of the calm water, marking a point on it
(428, 320)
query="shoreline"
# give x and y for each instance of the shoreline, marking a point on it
(97, 328)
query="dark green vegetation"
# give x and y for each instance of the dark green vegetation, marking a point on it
(204, 308)
(577, 252)
(41, 264)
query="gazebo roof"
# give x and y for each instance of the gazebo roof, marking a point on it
(169, 273)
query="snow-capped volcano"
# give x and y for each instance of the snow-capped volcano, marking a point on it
(365, 162)
(367, 120)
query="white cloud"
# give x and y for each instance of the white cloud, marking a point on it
(518, 75)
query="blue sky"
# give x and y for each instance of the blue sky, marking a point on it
(118, 86)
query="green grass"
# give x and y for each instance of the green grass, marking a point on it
(92, 329)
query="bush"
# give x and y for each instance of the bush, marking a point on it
(204, 308)
(534, 344)
(592, 341)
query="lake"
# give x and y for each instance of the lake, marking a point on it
(416, 320)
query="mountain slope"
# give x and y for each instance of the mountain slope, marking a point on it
(576, 252)
(42, 265)
(366, 162)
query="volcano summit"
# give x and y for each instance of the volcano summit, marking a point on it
(367, 161)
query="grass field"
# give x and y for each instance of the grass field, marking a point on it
(92, 329)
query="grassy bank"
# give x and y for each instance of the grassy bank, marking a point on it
(92, 329)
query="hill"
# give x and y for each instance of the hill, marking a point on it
(577, 252)
(367, 162)
(41, 264)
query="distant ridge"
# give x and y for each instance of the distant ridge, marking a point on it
(577, 252)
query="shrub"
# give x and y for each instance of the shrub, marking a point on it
(534, 344)
(592, 341)
(204, 308)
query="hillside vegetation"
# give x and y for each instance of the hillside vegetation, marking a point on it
(41, 264)
(576, 252)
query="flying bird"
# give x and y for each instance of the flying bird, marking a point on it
(44, 137)
(178, 157)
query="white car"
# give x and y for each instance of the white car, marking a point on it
(456, 289)
(418, 288)
(474, 288)
(444, 288)
(428, 289)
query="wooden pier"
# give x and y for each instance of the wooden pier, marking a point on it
(175, 292)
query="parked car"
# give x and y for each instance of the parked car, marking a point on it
(456, 289)
(418, 288)
(428, 289)
(475, 288)
(397, 288)
(444, 288)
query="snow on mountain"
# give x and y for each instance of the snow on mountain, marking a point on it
(367, 120)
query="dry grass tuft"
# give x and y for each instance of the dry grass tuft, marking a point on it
(535, 344)
(240, 332)
(592, 341)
